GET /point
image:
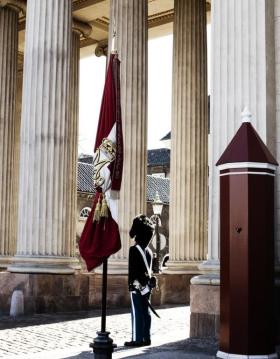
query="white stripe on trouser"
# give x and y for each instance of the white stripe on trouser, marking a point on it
(133, 319)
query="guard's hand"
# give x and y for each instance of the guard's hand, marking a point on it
(145, 290)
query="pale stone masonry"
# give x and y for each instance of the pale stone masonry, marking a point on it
(277, 79)
(243, 74)
(8, 82)
(73, 136)
(130, 17)
(188, 176)
(43, 241)
(78, 29)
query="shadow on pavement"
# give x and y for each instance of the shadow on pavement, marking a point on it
(7, 322)
(189, 348)
(82, 355)
(190, 345)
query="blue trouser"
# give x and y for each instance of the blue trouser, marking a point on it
(141, 318)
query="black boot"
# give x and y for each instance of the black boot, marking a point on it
(146, 342)
(133, 343)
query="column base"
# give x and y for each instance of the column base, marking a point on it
(206, 279)
(210, 266)
(224, 355)
(115, 266)
(42, 264)
(5, 261)
(182, 267)
(205, 306)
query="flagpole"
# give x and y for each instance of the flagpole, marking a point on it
(102, 345)
(104, 295)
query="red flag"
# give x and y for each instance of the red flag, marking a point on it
(100, 237)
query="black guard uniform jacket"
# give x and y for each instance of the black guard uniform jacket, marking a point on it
(136, 267)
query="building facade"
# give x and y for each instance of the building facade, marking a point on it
(155, 184)
(38, 192)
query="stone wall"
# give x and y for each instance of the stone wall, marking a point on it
(205, 310)
(205, 307)
(46, 293)
(173, 289)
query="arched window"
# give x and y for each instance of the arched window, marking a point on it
(85, 212)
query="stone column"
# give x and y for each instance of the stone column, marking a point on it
(130, 17)
(17, 143)
(78, 29)
(8, 85)
(72, 154)
(188, 176)
(277, 78)
(242, 75)
(44, 245)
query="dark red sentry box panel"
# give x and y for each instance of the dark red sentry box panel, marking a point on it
(247, 246)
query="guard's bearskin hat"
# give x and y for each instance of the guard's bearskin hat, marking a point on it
(142, 229)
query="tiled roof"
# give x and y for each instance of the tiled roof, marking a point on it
(85, 174)
(166, 137)
(85, 158)
(160, 184)
(159, 157)
(156, 157)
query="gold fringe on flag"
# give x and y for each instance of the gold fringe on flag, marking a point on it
(96, 215)
(104, 208)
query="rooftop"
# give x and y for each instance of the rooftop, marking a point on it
(156, 157)
(159, 157)
(166, 137)
(85, 183)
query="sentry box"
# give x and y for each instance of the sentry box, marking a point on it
(247, 171)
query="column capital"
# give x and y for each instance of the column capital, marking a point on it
(18, 5)
(82, 28)
(101, 48)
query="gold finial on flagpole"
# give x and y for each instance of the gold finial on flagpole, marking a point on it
(113, 47)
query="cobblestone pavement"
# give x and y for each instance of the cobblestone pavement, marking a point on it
(68, 335)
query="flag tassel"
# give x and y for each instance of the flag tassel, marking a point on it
(104, 208)
(96, 215)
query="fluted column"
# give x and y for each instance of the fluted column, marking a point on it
(243, 74)
(43, 241)
(188, 176)
(277, 78)
(130, 17)
(73, 136)
(8, 85)
(79, 28)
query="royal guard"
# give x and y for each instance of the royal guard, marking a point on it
(140, 281)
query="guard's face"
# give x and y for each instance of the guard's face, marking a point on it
(144, 237)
